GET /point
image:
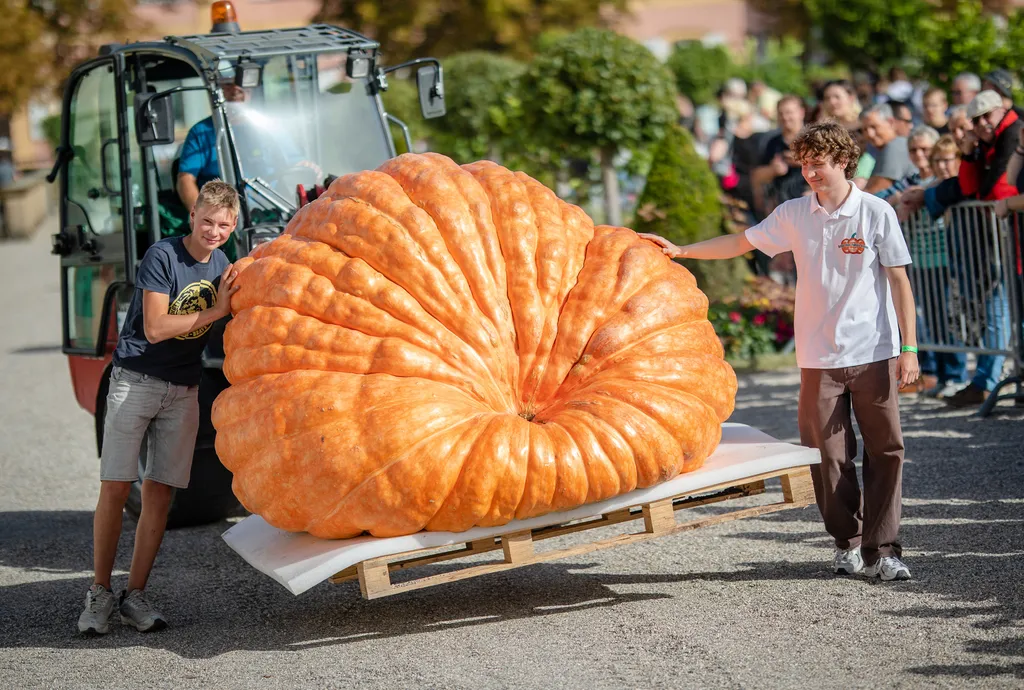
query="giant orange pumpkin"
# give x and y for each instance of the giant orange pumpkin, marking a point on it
(430, 346)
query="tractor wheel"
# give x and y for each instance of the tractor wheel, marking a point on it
(207, 499)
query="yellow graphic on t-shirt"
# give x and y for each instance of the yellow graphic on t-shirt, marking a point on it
(194, 298)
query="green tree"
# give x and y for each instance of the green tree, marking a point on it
(681, 202)
(483, 106)
(869, 34)
(966, 38)
(46, 39)
(780, 67)
(860, 33)
(701, 70)
(413, 28)
(596, 90)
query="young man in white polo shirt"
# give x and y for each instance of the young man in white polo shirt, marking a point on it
(853, 302)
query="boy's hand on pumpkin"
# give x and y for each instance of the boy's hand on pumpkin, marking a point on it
(668, 248)
(226, 289)
(907, 368)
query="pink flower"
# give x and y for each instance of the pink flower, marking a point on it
(759, 319)
(735, 317)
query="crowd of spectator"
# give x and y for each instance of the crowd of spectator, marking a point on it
(923, 150)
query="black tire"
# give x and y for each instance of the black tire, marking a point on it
(209, 497)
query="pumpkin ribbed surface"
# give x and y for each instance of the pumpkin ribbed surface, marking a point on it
(430, 346)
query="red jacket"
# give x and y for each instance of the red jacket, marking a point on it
(983, 176)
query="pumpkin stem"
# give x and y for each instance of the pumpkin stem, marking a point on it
(528, 415)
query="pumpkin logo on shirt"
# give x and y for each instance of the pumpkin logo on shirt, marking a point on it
(853, 245)
(194, 298)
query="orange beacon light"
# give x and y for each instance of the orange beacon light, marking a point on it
(223, 17)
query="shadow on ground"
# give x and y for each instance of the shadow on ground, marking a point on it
(964, 533)
(963, 489)
(217, 600)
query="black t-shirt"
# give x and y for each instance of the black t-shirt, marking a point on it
(191, 287)
(791, 185)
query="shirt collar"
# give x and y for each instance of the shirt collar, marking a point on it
(849, 207)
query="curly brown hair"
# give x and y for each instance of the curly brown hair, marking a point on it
(827, 141)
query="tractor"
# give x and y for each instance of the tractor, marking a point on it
(312, 112)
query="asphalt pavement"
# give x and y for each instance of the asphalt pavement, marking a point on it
(746, 604)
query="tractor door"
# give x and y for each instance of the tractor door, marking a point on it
(96, 235)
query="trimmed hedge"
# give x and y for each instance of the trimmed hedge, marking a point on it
(681, 202)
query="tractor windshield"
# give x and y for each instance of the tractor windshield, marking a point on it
(305, 121)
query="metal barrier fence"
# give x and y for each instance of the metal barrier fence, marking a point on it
(968, 281)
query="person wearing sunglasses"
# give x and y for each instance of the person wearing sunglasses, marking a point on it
(1001, 81)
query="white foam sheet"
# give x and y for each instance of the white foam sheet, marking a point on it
(300, 561)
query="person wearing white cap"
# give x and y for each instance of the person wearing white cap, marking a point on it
(983, 176)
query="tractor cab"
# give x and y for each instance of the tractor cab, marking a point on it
(278, 114)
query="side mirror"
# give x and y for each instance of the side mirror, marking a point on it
(430, 82)
(154, 119)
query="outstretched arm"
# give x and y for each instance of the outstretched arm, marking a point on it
(722, 247)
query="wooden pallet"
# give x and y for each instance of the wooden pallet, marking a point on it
(659, 518)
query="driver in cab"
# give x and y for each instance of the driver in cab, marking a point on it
(198, 161)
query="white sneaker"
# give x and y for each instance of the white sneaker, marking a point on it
(99, 605)
(888, 568)
(848, 562)
(138, 612)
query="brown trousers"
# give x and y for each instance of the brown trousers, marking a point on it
(871, 520)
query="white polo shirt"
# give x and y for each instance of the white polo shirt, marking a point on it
(845, 315)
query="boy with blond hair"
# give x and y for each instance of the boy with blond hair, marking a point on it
(184, 285)
(853, 303)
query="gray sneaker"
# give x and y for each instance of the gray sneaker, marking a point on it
(99, 605)
(137, 611)
(848, 562)
(888, 568)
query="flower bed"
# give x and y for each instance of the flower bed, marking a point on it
(757, 323)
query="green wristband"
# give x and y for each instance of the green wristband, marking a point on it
(908, 348)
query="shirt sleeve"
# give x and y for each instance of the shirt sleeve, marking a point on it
(772, 235)
(894, 161)
(155, 271)
(195, 155)
(865, 166)
(890, 243)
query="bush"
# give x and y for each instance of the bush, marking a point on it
(780, 67)
(483, 108)
(700, 70)
(743, 334)
(757, 322)
(402, 100)
(681, 202)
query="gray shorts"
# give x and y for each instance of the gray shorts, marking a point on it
(142, 407)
